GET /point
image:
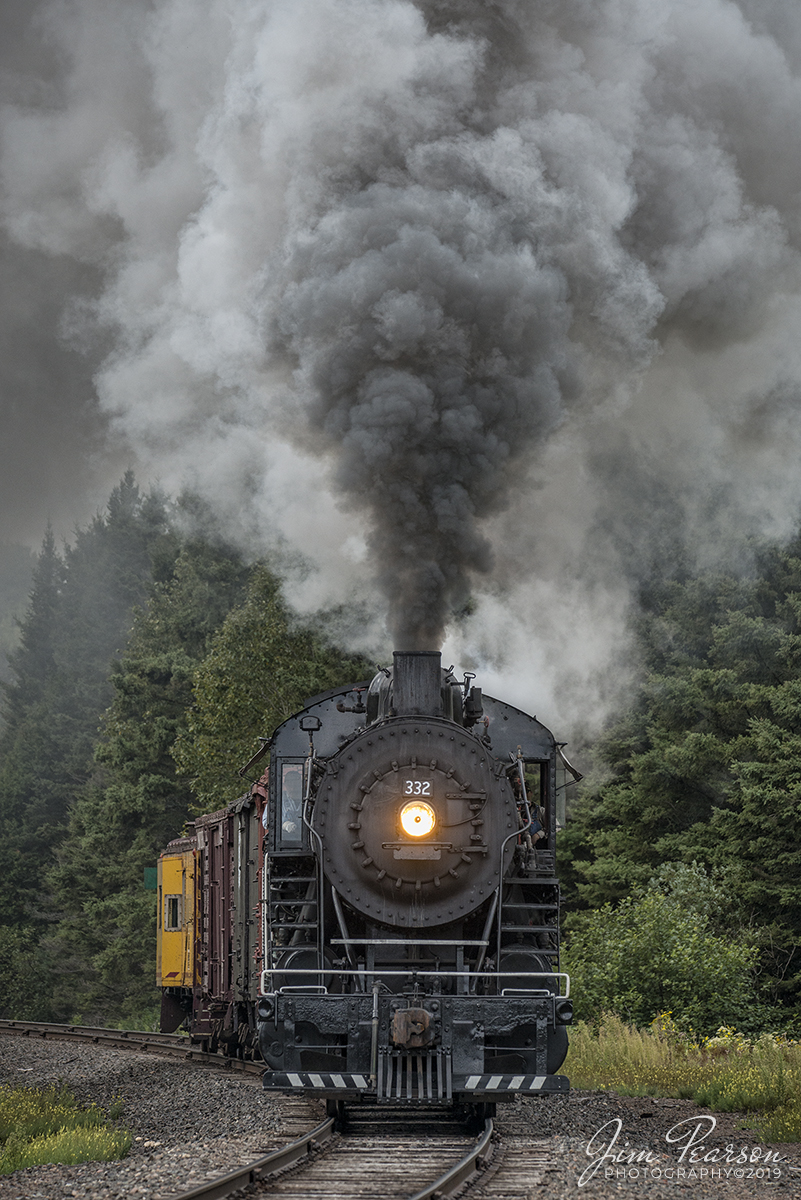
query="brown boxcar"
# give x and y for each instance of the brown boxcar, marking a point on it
(218, 939)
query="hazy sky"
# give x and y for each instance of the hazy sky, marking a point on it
(490, 300)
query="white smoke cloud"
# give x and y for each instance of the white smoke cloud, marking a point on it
(488, 289)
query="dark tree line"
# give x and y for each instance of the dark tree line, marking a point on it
(122, 634)
(704, 766)
(16, 572)
(77, 621)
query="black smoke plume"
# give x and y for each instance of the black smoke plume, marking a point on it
(428, 258)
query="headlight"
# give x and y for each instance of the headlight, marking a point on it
(564, 1011)
(417, 818)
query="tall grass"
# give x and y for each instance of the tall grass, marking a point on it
(726, 1073)
(47, 1126)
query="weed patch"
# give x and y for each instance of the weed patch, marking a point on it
(725, 1073)
(48, 1126)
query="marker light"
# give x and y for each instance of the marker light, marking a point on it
(417, 818)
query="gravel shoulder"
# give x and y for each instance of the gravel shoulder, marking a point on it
(189, 1124)
(586, 1125)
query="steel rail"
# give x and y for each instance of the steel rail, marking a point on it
(89, 1031)
(261, 1168)
(453, 1179)
(279, 1160)
(131, 1039)
(136, 1040)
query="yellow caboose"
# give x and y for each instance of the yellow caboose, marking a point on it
(175, 938)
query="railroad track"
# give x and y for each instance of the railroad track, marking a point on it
(378, 1157)
(387, 1153)
(130, 1039)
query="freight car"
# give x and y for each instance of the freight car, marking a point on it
(378, 917)
(209, 928)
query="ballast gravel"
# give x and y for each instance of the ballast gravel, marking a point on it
(190, 1125)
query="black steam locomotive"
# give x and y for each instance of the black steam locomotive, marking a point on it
(394, 928)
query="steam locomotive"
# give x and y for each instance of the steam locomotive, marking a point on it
(378, 918)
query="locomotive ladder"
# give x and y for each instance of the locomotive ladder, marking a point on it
(530, 906)
(293, 909)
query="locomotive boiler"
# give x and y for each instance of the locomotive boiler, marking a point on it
(399, 894)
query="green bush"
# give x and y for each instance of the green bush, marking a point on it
(658, 952)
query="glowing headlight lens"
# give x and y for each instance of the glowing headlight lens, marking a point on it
(417, 818)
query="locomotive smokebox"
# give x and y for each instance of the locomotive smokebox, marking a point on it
(417, 683)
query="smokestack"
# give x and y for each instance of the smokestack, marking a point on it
(417, 683)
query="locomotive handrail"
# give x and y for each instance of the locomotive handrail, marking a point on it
(394, 972)
(320, 882)
(343, 928)
(515, 833)
(482, 954)
(405, 942)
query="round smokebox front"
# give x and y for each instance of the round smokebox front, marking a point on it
(412, 819)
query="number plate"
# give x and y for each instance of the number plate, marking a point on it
(417, 787)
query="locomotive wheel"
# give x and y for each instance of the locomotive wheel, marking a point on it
(336, 1109)
(479, 1112)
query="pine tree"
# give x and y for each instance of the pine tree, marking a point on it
(757, 838)
(77, 622)
(706, 764)
(25, 742)
(32, 662)
(261, 668)
(135, 802)
(17, 566)
(671, 755)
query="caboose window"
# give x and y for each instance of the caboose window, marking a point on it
(172, 914)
